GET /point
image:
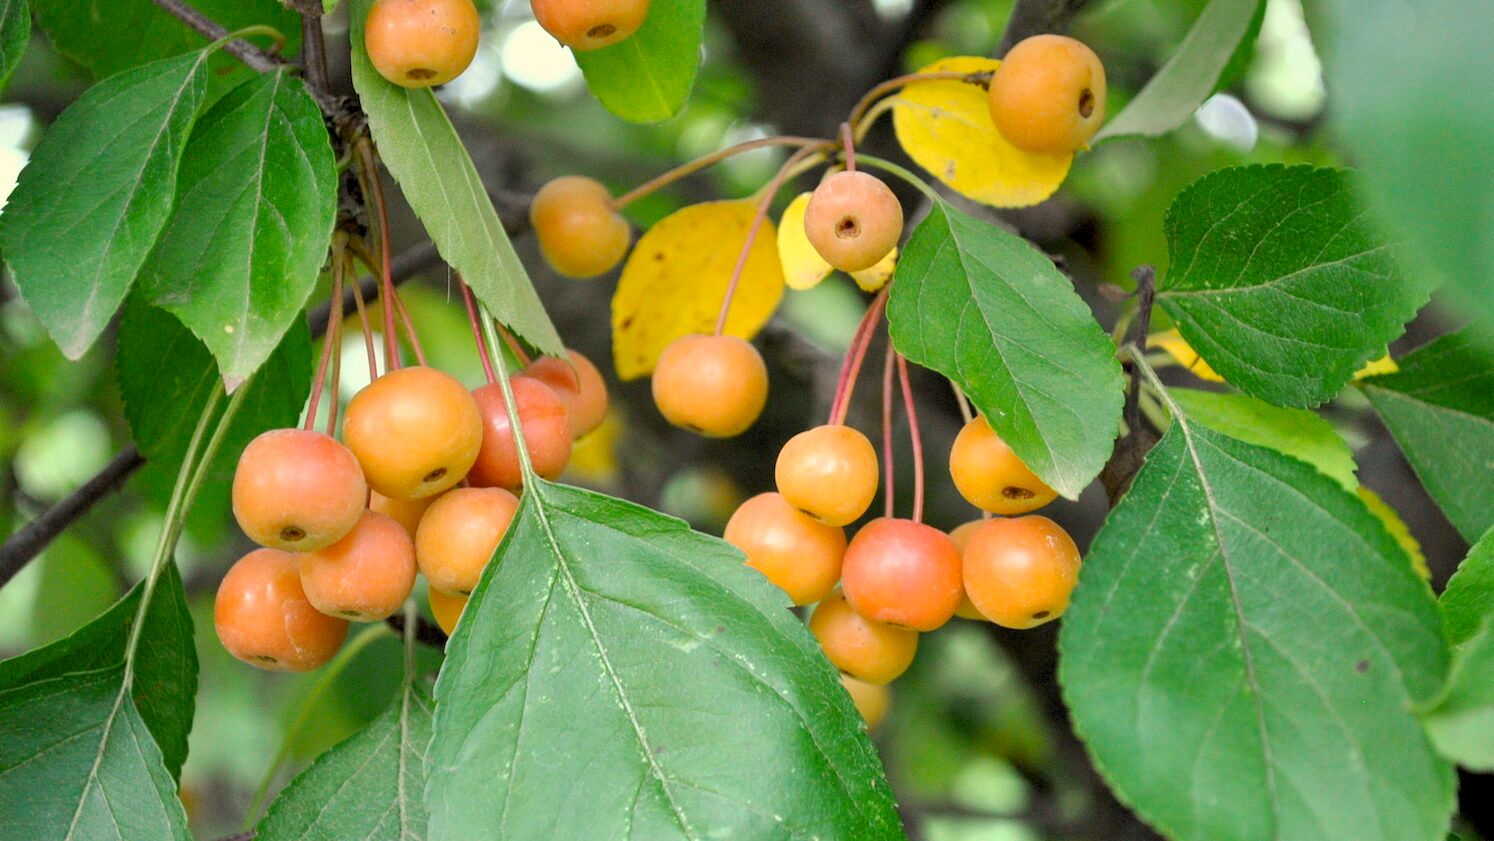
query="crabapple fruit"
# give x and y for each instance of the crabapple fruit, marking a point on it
(1020, 572)
(458, 535)
(366, 575)
(447, 608)
(872, 700)
(547, 434)
(590, 24)
(798, 554)
(715, 386)
(263, 618)
(579, 386)
(406, 512)
(862, 648)
(902, 573)
(416, 431)
(1048, 95)
(420, 43)
(579, 233)
(961, 535)
(990, 476)
(853, 220)
(297, 490)
(828, 472)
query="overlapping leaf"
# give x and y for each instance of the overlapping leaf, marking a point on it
(989, 311)
(256, 201)
(676, 278)
(15, 33)
(619, 676)
(647, 77)
(90, 204)
(1469, 595)
(1243, 650)
(1440, 409)
(424, 154)
(1279, 281)
(1296, 432)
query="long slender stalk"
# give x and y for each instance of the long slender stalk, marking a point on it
(704, 161)
(477, 336)
(851, 368)
(369, 174)
(914, 435)
(901, 172)
(333, 315)
(887, 461)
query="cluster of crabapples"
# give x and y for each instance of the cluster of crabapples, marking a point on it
(423, 481)
(422, 43)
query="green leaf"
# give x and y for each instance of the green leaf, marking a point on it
(1243, 649)
(97, 192)
(381, 765)
(617, 675)
(76, 761)
(256, 202)
(647, 77)
(424, 154)
(107, 36)
(1469, 596)
(1191, 75)
(1440, 409)
(15, 34)
(166, 376)
(1461, 723)
(989, 311)
(1399, 76)
(165, 686)
(1298, 433)
(1279, 282)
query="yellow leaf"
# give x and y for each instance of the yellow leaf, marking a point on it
(1397, 528)
(803, 267)
(677, 275)
(1383, 365)
(946, 127)
(1178, 348)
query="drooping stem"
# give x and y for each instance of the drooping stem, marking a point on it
(330, 673)
(887, 462)
(367, 329)
(334, 341)
(704, 161)
(514, 346)
(526, 464)
(334, 314)
(848, 141)
(903, 173)
(851, 367)
(915, 437)
(763, 206)
(477, 336)
(404, 318)
(373, 186)
(981, 78)
(964, 402)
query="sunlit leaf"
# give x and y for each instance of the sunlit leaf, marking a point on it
(945, 126)
(677, 276)
(1296, 432)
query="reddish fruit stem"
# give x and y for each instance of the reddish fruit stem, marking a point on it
(314, 402)
(513, 344)
(704, 161)
(849, 141)
(887, 464)
(367, 330)
(482, 344)
(855, 354)
(334, 342)
(381, 209)
(917, 439)
(757, 223)
(404, 317)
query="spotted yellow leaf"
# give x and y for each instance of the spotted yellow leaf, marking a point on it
(1397, 528)
(945, 126)
(677, 275)
(1178, 348)
(803, 267)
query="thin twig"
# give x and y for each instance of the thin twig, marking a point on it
(1146, 291)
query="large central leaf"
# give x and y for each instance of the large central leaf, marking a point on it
(619, 676)
(1280, 282)
(989, 311)
(1243, 651)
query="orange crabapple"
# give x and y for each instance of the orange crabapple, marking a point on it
(903, 573)
(872, 700)
(853, 220)
(1019, 572)
(863, 648)
(579, 385)
(366, 575)
(579, 233)
(798, 554)
(828, 472)
(458, 535)
(263, 618)
(416, 431)
(406, 512)
(961, 535)
(420, 43)
(715, 386)
(297, 490)
(547, 434)
(990, 476)
(447, 608)
(1048, 95)
(590, 24)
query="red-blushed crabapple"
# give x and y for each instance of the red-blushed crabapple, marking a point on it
(297, 490)
(263, 618)
(547, 434)
(590, 24)
(902, 573)
(367, 575)
(579, 385)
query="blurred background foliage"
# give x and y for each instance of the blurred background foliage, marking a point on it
(977, 745)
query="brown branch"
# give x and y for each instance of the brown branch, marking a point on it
(1035, 17)
(1130, 451)
(426, 632)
